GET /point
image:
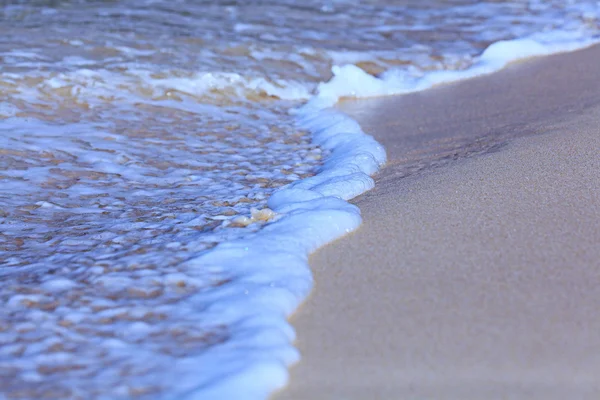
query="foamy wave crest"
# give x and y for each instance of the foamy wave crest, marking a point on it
(101, 86)
(272, 272)
(204, 83)
(352, 81)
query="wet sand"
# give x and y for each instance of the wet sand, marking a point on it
(476, 273)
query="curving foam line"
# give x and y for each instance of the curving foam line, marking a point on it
(273, 276)
(351, 81)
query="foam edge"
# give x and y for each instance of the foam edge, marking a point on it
(272, 272)
(271, 266)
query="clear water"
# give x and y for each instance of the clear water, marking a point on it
(137, 135)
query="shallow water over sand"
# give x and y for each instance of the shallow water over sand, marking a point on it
(134, 136)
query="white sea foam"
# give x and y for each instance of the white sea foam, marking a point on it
(351, 81)
(271, 266)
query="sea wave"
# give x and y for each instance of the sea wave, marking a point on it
(174, 176)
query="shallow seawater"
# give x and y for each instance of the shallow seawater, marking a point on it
(137, 135)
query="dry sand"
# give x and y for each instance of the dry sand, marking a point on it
(478, 279)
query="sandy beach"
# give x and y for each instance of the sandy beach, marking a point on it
(476, 272)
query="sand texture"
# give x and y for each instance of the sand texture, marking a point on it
(472, 277)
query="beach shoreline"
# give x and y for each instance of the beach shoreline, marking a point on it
(168, 167)
(485, 296)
